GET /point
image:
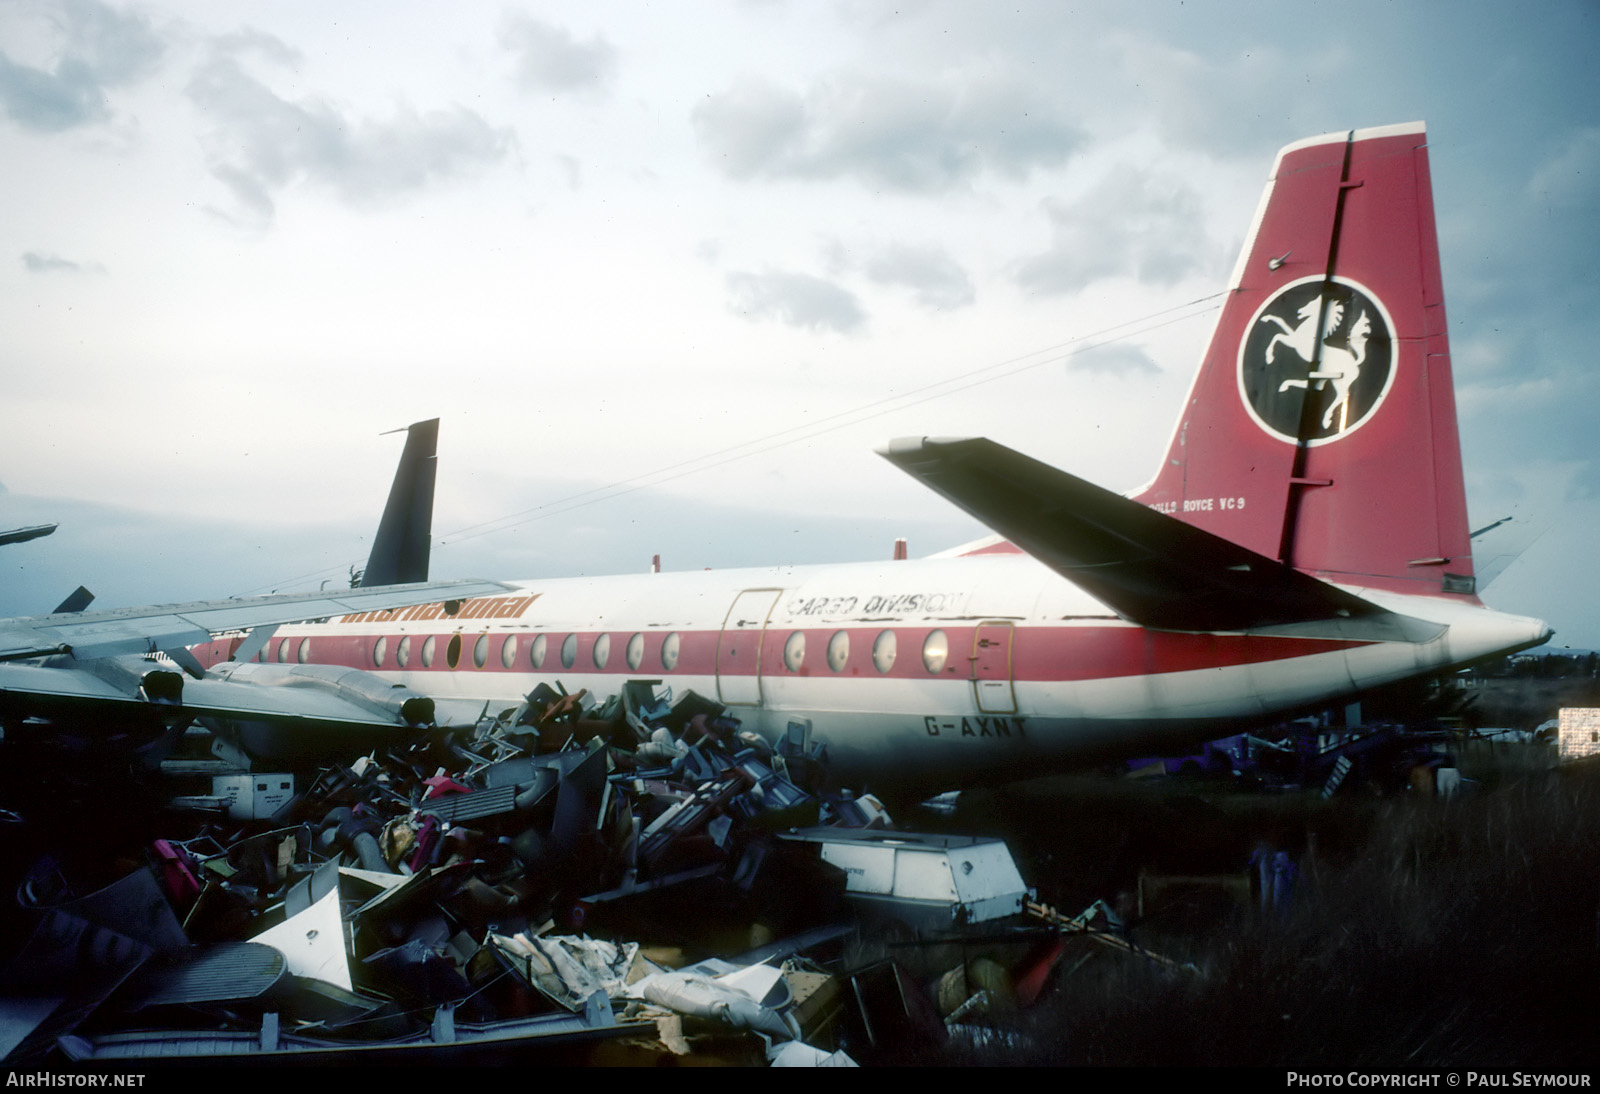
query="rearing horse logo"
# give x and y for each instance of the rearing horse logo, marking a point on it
(1340, 366)
(1321, 375)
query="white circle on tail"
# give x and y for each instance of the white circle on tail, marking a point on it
(1296, 384)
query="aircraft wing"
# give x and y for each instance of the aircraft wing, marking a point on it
(23, 535)
(169, 626)
(42, 689)
(1147, 567)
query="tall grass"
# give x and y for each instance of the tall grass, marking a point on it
(1424, 933)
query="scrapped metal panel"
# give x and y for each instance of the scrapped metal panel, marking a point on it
(466, 1040)
(923, 874)
(133, 905)
(229, 972)
(570, 970)
(313, 942)
(867, 869)
(253, 797)
(987, 880)
(454, 808)
(1579, 732)
(969, 880)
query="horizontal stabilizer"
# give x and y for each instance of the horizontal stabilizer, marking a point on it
(1147, 567)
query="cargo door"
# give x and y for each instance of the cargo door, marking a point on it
(739, 646)
(991, 669)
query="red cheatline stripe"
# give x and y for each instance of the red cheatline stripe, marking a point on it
(1042, 654)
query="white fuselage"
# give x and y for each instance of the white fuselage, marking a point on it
(936, 671)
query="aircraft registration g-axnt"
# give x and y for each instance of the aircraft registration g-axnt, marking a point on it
(1304, 539)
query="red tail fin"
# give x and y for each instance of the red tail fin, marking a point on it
(1321, 428)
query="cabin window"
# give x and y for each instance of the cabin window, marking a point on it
(669, 652)
(883, 651)
(508, 651)
(402, 655)
(935, 651)
(635, 652)
(303, 654)
(379, 648)
(569, 651)
(427, 652)
(602, 651)
(794, 651)
(536, 652)
(452, 652)
(283, 651)
(480, 651)
(838, 650)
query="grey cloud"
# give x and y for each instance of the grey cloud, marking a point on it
(1520, 299)
(260, 143)
(936, 280)
(798, 300)
(549, 58)
(571, 169)
(1227, 99)
(1547, 412)
(103, 49)
(1586, 483)
(47, 101)
(1131, 224)
(1560, 216)
(1537, 246)
(751, 128)
(249, 40)
(1115, 359)
(1570, 179)
(924, 137)
(116, 45)
(37, 262)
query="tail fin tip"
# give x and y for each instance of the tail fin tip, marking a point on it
(1321, 427)
(400, 550)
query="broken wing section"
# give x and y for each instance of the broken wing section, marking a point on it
(1147, 567)
(236, 691)
(166, 626)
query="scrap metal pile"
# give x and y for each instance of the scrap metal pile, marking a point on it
(475, 893)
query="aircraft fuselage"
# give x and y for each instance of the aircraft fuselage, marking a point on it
(939, 670)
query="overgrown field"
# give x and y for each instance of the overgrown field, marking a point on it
(1422, 933)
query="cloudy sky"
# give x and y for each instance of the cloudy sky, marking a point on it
(669, 272)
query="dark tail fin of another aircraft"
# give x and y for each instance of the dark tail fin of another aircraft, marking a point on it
(77, 600)
(400, 549)
(1321, 428)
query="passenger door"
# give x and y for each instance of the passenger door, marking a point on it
(739, 646)
(991, 669)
